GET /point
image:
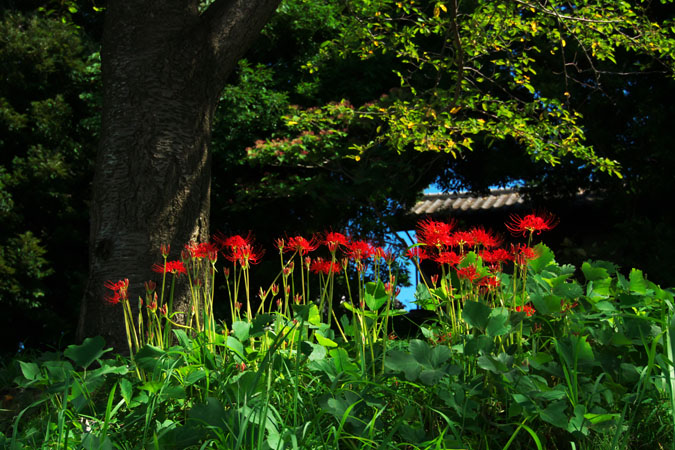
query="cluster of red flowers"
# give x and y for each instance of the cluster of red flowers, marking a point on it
(240, 250)
(120, 291)
(528, 309)
(442, 243)
(320, 265)
(531, 223)
(439, 241)
(356, 250)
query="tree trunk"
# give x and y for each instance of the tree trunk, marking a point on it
(164, 67)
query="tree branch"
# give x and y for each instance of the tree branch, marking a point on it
(233, 25)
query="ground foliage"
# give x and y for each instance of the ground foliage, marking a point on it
(543, 355)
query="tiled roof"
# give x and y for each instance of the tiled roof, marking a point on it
(445, 203)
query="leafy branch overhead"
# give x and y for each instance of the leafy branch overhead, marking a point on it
(476, 72)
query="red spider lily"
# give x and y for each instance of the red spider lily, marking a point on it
(245, 255)
(418, 253)
(522, 254)
(333, 240)
(483, 238)
(201, 250)
(301, 245)
(152, 306)
(450, 258)
(120, 291)
(529, 310)
(392, 290)
(468, 273)
(150, 286)
(460, 239)
(360, 250)
(531, 223)
(434, 279)
(165, 249)
(232, 242)
(173, 267)
(279, 243)
(496, 256)
(490, 283)
(240, 250)
(325, 267)
(433, 233)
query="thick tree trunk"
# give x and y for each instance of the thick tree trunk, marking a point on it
(164, 66)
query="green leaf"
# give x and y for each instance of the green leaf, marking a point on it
(637, 282)
(318, 352)
(491, 364)
(545, 258)
(376, 296)
(423, 298)
(260, 323)
(600, 418)
(322, 340)
(594, 272)
(555, 414)
(30, 371)
(598, 289)
(498, 322)
(546, 304)
(241, 330)
(569, 291)
(127, 390)
(183, 339)
(398, 361)
(86, 353)
(476, 314)
(342, 361)
(237, 347)
(421, 351)
(431, 377)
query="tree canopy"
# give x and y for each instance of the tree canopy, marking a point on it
(342, 112)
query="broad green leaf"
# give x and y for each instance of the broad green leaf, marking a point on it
(318, 352)
(491, 364)
(598, 289)
(322, 340)
(546, 304)
(555, 414)
(212, 413)
(637, 282)
(342, 361)
(431, 376)
(399, 361)
(576, 422)
(600, 418)
(30, 371)
(545, 258)
(87, 352)
(423, 298)
(498, 322)
(241, 330)
(439, 355)
(593, 272)
(183, 339)
(376, 296)
(476, 314)
(474, 345)
(421, 351)
(260, 323)
(237, 347)
(127, 390)
(569, 291)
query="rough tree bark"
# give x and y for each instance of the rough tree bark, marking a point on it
(164, 67)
